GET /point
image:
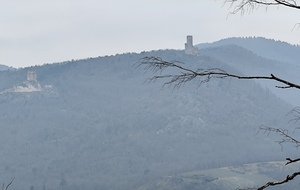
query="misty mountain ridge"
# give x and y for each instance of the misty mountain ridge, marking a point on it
(96, 124)
(4, 67)
(267, 48)
(242, 54)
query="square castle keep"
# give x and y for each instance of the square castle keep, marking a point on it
(31, 76)
(189, 47)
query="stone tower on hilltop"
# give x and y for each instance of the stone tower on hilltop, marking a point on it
(31, 76)
(189, 48)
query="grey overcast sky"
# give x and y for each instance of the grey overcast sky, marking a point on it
(34, 32)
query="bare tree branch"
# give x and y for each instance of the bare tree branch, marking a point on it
(284, 133)
(297, 26)
(296, 114)
(243, 5)
(287, 179)
(286, 138)
(7, 185)
(289, 161)
(185, 74)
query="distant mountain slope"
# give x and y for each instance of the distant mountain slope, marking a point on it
(250, 63)
(96, 124)
(4, 67)
(267, 48)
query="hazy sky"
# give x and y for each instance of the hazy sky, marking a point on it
(34, 32)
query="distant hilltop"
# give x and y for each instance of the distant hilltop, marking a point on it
(4, 68)
(268, 48)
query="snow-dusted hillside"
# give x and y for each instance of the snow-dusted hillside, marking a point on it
(102, 127)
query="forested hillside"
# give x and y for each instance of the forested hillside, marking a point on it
(267, 48)
(260, 56)
(98, 124)
(4, 67)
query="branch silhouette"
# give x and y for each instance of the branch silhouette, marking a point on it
(156, 64)
(250, 5)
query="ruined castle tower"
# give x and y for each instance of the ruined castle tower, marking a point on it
(189, 48)
(31, 76)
